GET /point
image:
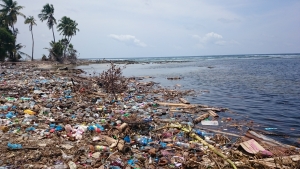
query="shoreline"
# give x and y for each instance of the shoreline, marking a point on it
(83, 115)
(80, 62)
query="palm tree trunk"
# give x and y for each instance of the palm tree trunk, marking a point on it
(53, 34)
(70, 39)
(32, 45)
(13, 29)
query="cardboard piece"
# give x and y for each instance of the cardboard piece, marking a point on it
(252, 147)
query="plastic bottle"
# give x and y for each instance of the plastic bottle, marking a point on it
(269, 128)
(102, 148)
(10, 99)
(14, 146)
(68, 97)
(183, 145)
(143, 140)
(186, 123)
(25, 98)
(203, 133)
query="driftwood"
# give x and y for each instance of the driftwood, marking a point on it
(114, 143)
(271, 162)
(212, 113)
(195, 136)
(202, 117)
(184, 101)
(100, 94)
(176, 104)
(181, 111)
(122, 127)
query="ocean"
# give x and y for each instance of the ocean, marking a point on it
(262, 90)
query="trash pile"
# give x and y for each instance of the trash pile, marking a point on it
(59, 119)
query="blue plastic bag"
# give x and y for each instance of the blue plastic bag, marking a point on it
(58, 128)
(127, 139)
(30, 129)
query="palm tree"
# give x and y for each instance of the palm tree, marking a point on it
(67, 27)
(47, 14)
(31, 21)
(10, 10)
(16, 53)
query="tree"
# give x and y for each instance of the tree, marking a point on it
(72, 54)
(68, 28)
(16, 53)
(7, 41)
(47, 14)
(56, 51)
(31, 21)
(10, 11)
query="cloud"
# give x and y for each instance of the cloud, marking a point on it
(210, 38)
(128, 39)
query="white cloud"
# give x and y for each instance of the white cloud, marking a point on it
(210, 38)
(128, 39)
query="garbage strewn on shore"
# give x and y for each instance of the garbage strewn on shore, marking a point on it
(58, 119)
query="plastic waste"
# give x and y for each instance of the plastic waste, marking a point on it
(25, 98)
(203, 133)
(127, 139)
(14, 146)
(143, 140)
(183, 145)
(102, 148)
(209, 123)
(269, 128)
(30, 129)
(132, 162)
(4, 107)
(10, 115)
(30, 112)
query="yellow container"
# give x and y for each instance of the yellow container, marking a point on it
(30, 112)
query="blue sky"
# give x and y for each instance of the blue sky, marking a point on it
(154, 28)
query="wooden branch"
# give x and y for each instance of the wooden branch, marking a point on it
(212, 113)
(182, 100)
(202, 117)
(195, 136)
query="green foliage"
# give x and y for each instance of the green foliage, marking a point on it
(57, 51)
(67, 27)
(31, 21)
(7, 41)
(47, 14)
(10, 11)
(11, 50)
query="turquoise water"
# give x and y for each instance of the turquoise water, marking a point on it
(264, 89)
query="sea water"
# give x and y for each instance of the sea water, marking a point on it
(264, 89)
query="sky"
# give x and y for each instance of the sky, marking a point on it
(160, 28)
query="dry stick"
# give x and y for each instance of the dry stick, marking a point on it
(215, 161)
(202, 117)
(193, 135)
(212, 113)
